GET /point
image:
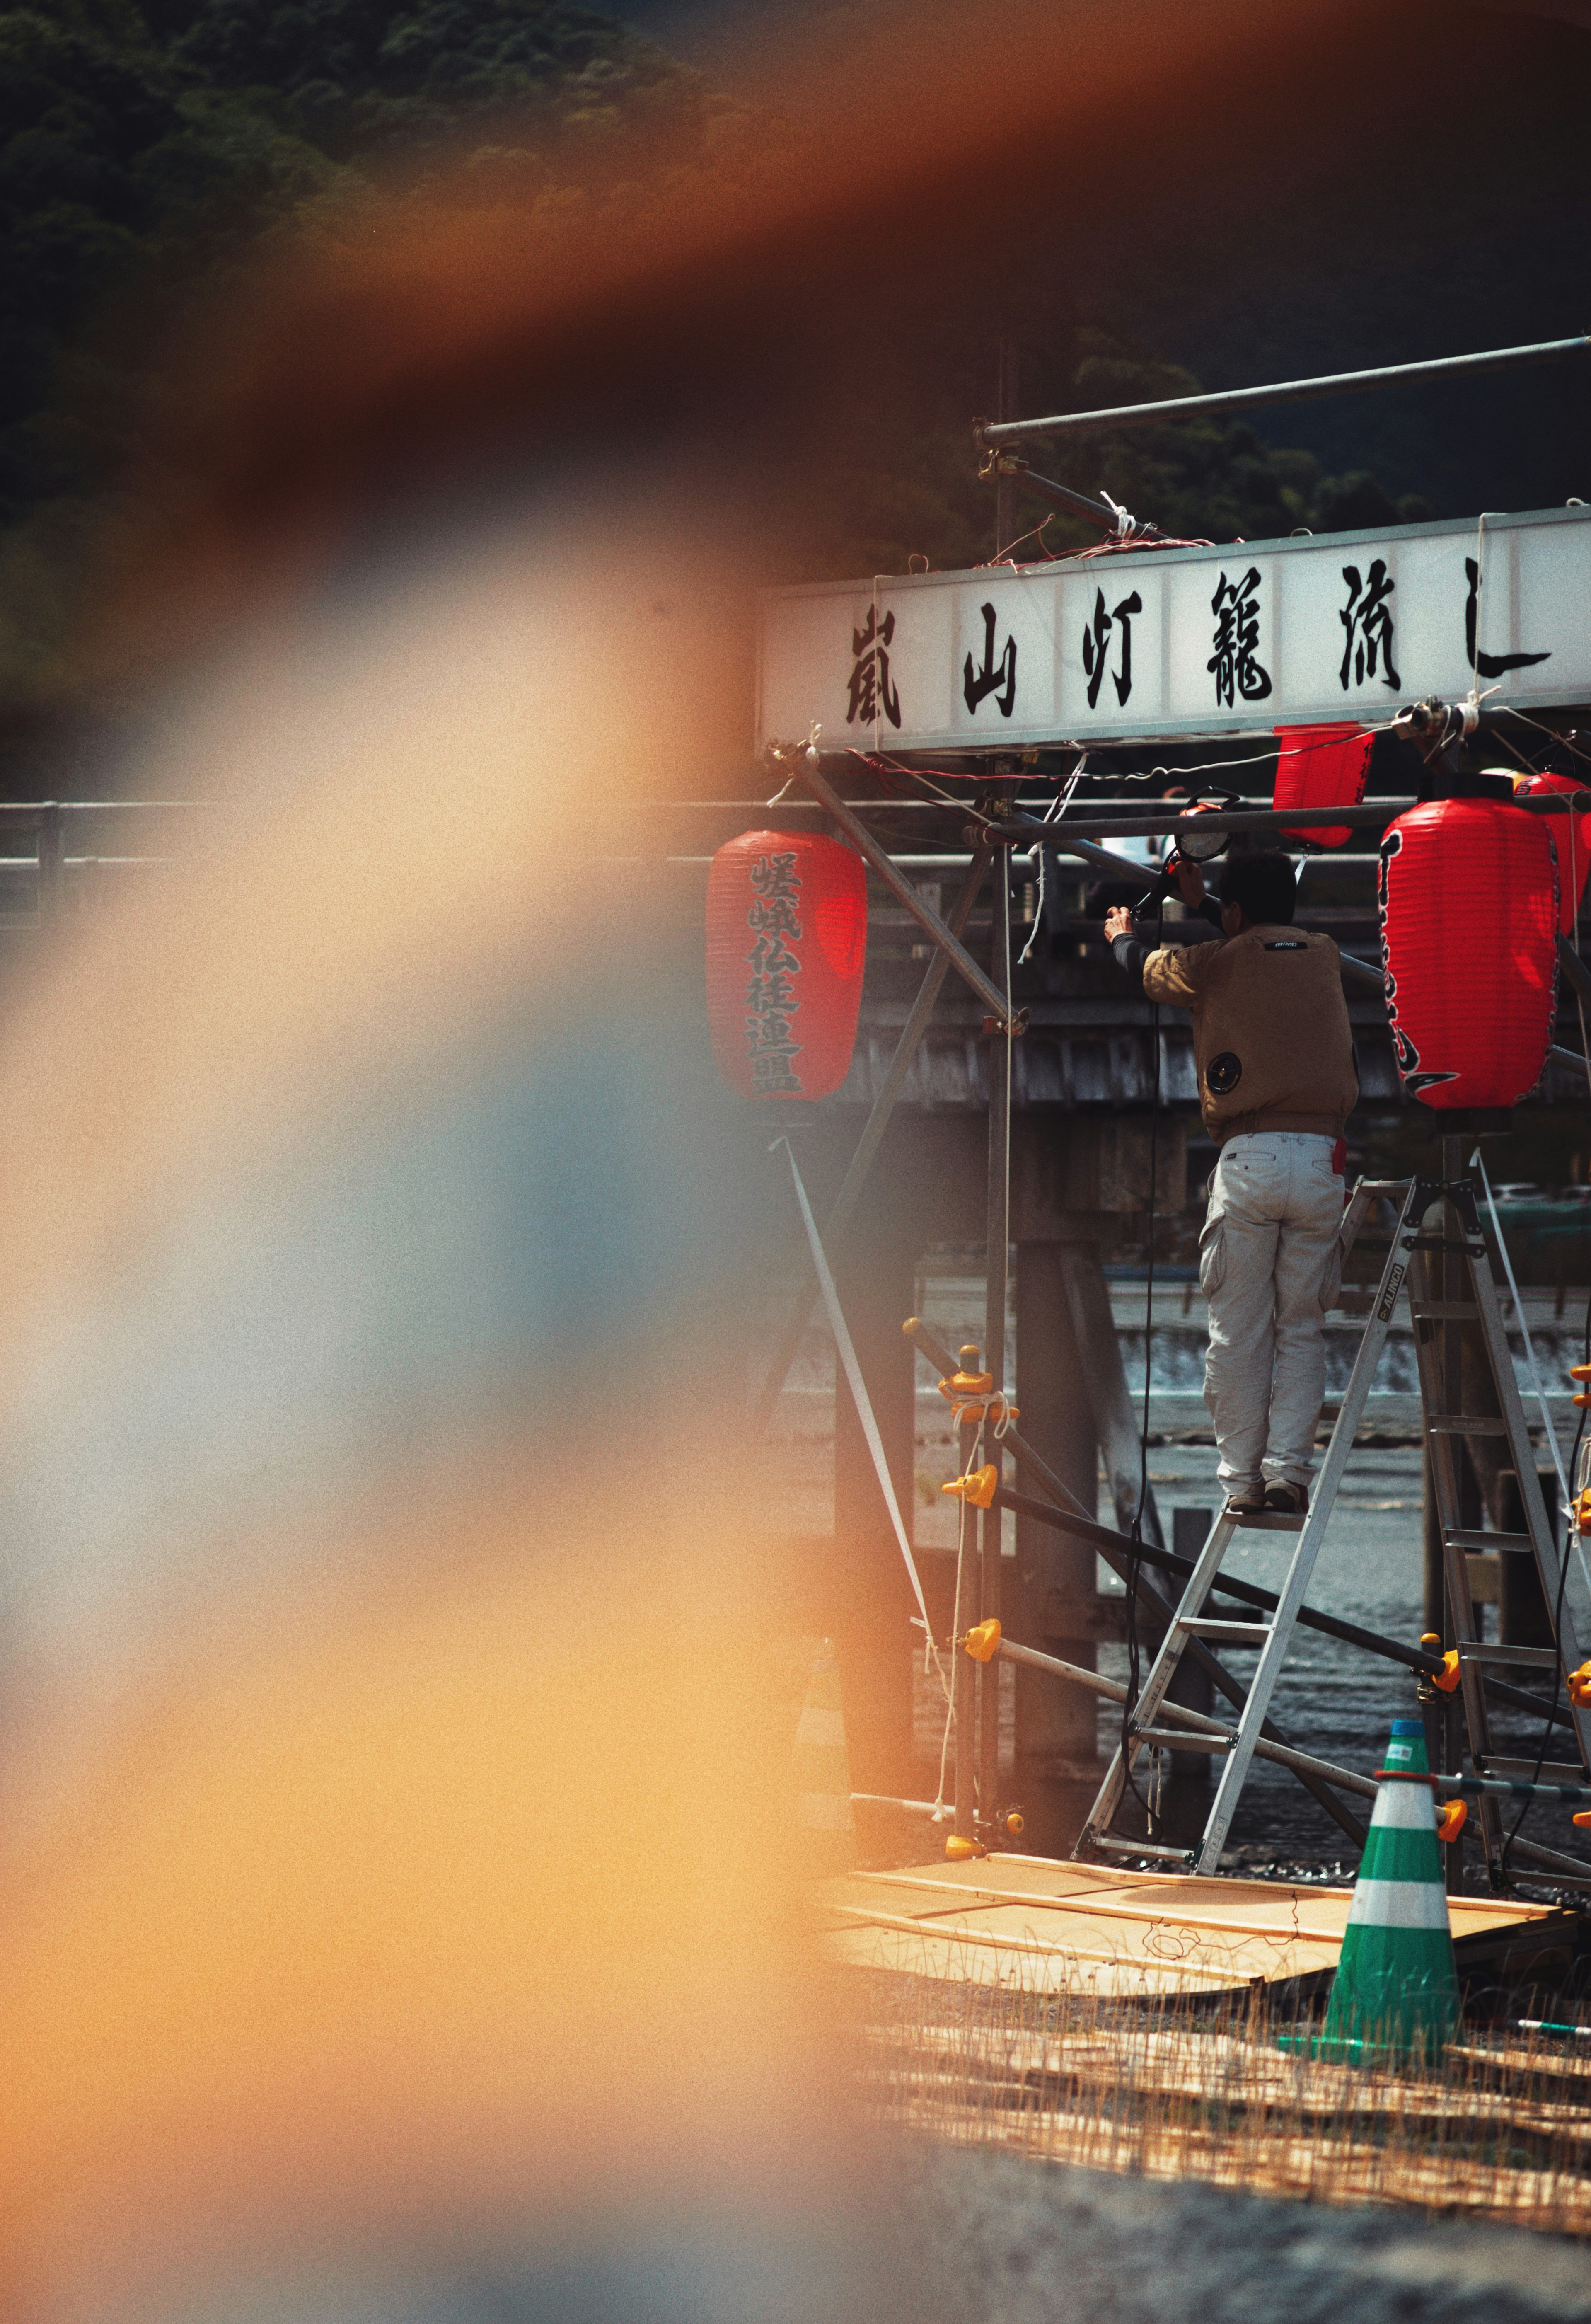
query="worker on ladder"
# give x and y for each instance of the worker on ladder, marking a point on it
(1276, 1085)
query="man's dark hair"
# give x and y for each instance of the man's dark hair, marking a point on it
(1263, 884)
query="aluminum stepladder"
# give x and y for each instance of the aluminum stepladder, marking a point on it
(1405, 1264)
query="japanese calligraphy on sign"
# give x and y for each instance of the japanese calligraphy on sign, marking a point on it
(1096, 641)
(999, 679)
(1145, 642)
(770, 997)
(1236, 608)
(870, 689)
(1367, 619)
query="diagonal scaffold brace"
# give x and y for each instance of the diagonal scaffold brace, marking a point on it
(844, 1203)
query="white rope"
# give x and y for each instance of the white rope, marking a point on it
(1057, 806)
(864, 1409)
(1565, 1498)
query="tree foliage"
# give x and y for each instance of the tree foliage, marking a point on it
(146, 150)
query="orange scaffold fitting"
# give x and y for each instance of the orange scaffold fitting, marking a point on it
(1582, 1372)
(1582, 1501)
(1446, 1679)
(1452, 1819)
(1580, 1686)
(982, 1639)
(961, 1851)
(972, 1396)
(961, 1385)
(977, 1488)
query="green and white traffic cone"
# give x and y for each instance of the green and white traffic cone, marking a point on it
(1396, 1988)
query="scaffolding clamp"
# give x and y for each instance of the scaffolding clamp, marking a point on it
(1580, 1687)
(961, 1851)
(1446, 1680)
(961, 1385)
(977, 1488)
(1452, 1819)
(982, 1639)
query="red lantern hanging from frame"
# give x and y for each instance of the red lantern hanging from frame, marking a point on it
(1572, 834)
(786, 947)
(1322, 766)
(1468, 904)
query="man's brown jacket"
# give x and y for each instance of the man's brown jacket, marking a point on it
(1270, 1033)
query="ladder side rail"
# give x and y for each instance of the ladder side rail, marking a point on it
(1550, 1552)
(1291, 1596)
(1366, 1192)
(1162, 1610)
(1443, 1453)
(1161, 1671)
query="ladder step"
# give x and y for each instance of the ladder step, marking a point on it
(1115, 1847)
(1521, 1658)
(1440, 1242)
(1457, 1538)
(1446, 1311)
(1459, 1423)
(1175, 1739)
(1235, 1633)
(1271, 1521)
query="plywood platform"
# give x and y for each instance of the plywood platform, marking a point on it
(1030, 1922)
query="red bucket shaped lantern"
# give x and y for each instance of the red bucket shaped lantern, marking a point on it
(1322, 766)
(1468, 894)
(1572, 834)
(787, 944)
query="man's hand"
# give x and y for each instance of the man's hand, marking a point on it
(1191, 881)
(1118, 922)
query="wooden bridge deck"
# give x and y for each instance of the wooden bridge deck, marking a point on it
(1034, 1922)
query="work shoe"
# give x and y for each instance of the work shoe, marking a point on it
(1286, 1500)
(1245, 1501)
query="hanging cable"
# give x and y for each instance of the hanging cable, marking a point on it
(1057, 807)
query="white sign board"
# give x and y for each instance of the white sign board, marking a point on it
(1185, 641)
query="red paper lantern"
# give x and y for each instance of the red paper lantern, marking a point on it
(787, 944)
(1468, 895)
(1322, 766)
(1572, 836)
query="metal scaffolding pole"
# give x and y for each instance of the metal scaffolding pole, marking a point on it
(989, 433)
(991, 1521)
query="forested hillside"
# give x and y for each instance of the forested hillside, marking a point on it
(145, 153)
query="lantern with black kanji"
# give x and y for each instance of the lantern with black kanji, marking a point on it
(1572, 834)
(787, 944)
(1468, 895)
(1322, 766)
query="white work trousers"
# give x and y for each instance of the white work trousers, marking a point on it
(1269, 1262)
